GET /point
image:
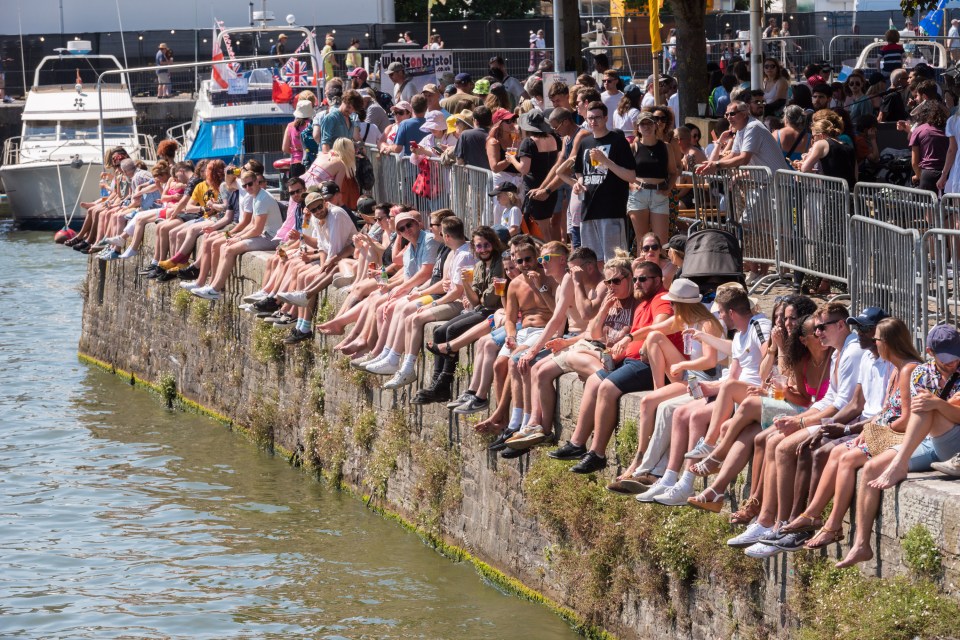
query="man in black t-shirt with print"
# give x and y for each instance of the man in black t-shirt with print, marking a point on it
(605, 167)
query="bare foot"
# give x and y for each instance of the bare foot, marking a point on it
(490, 425)
(856, 555)
(330, 328)
(890, 477)
(353, 347)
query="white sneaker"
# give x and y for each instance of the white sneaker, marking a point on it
(755, 531)
(256, 296)
(401, 379)
(296, 298)
(701, 450)
(357, 363)
(762, 550)
(658, 488)
(189, 285)
(207, 293)
(383, 367)
(675, 496)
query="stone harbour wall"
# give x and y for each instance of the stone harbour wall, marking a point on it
(608, 564)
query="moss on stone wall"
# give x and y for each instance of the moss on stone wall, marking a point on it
(610, 544)
(844, 604)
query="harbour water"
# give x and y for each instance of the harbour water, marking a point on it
(120, 518)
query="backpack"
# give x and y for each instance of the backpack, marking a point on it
(310, 146)
(364, 169)
(384, 99)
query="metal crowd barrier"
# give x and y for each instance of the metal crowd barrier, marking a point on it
(710, 205)
(940, 277)
(903, 207)
(846, 48)
(885, 269)
(812, 230)
(750, 194)
(461, 188)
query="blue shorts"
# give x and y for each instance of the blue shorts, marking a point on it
(499, 336)
(632, 375)
(937, 449)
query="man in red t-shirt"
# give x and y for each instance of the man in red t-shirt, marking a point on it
(602, 391)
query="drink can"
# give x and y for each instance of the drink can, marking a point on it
(693, 384)
(687, 344)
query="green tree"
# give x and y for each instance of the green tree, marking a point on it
(911, 7)
(416, 10)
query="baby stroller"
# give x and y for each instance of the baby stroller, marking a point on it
(711, 258)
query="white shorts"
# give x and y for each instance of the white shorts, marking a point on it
(526, 337)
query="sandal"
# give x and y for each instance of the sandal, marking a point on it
(747, 512)
(825, 537)
(705, 468)
(813, 523)
(437, 349)
(700, 501)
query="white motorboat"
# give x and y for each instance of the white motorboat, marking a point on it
(237, 115)
(57, 161)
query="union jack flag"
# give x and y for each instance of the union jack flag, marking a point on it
(295, 73)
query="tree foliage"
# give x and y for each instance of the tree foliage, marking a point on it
(911, 7)
(416, 10)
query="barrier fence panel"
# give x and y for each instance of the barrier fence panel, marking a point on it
(846, 48)
(885, 270)
(940, 302)
(793, 52)
(750, 195)
(469, 187)
(812, 229)
(710, 205)
(900, 206)
(633, 60)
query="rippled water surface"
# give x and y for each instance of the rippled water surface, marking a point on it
(119, 518)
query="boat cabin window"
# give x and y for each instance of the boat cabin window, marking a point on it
(118, 128)
(78, 129)
(40, 130)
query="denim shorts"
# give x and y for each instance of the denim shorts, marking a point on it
(655, 201)
(937, 449)
(632, 375)
(499, 336)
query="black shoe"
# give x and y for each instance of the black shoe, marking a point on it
(72, 241)
(510, 454)
(166, 276)
(297, 336)
(430, 396)
(80, 246)
(153, 274)
(501, 442)
(148, 270)
(268, 305)
(190, 273)
(568, 451)
(791, 541)
(589, 463)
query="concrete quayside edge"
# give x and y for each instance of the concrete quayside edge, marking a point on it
(430, 470)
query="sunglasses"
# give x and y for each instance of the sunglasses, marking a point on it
(247, 185)
(642, 279)
(316, 209)
(759, 102)
(613, 282)
(525, 259)
(769, 66)
(548, 257)
(647, 123)
(650, 247)
(855, 84)
(404, 227)
(730, 114)
(821, 327)
(381, 218)
(662, 118)
(480, 246)
(297, 192)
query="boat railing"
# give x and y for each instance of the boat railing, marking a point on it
(178, 132)
(11, 150)
(146, 147)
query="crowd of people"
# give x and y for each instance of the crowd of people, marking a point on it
(584, 274)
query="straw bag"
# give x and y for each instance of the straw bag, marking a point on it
(880, 437)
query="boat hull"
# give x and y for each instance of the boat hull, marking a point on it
(34, 192)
